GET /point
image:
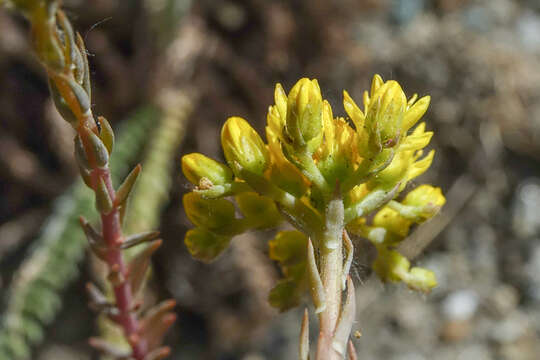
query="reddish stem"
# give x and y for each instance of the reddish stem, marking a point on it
(112, 235)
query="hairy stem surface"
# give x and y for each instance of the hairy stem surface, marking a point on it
(331, 269)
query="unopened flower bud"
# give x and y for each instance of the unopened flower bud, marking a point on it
(243, 146)
(385, 114)
(197, 167)
(426, 198)
(421, 279)
(304, 114)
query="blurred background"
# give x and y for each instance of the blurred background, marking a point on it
(167, 74)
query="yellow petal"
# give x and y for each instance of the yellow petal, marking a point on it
(376, 83)
(415, 113)
(354, 112)
(419, 167)
(281, 101)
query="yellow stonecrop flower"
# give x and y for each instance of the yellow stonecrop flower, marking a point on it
(243, 147)
(312, 158)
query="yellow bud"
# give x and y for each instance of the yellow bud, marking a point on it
(243, 146)
(338, 156)
(426, 197)
(197, 167)
(390, 220)
(421, 279)
(304, 115)
(390, 265)
(385, 114)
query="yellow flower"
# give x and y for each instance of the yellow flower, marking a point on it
(314, 162)
(387, 114)
(415, 110)
(426, 199)
(392, 222)
(338, 156)
(404, 166)
(304, 115)
(204, 172)
(243, 146)
(392, 266)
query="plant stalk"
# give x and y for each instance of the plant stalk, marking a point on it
(331, 270)
(124, 299)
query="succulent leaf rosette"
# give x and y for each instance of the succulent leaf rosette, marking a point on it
(327, 176)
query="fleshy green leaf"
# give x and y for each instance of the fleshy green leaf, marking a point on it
(205, 245)
(212, 214)
(260, 210)
(289, 249)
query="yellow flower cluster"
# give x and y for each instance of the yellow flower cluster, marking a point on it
(312, 158)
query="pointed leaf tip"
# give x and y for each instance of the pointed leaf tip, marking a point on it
(138, 267)
(315, 283)
(124, 190)
(346, 320)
